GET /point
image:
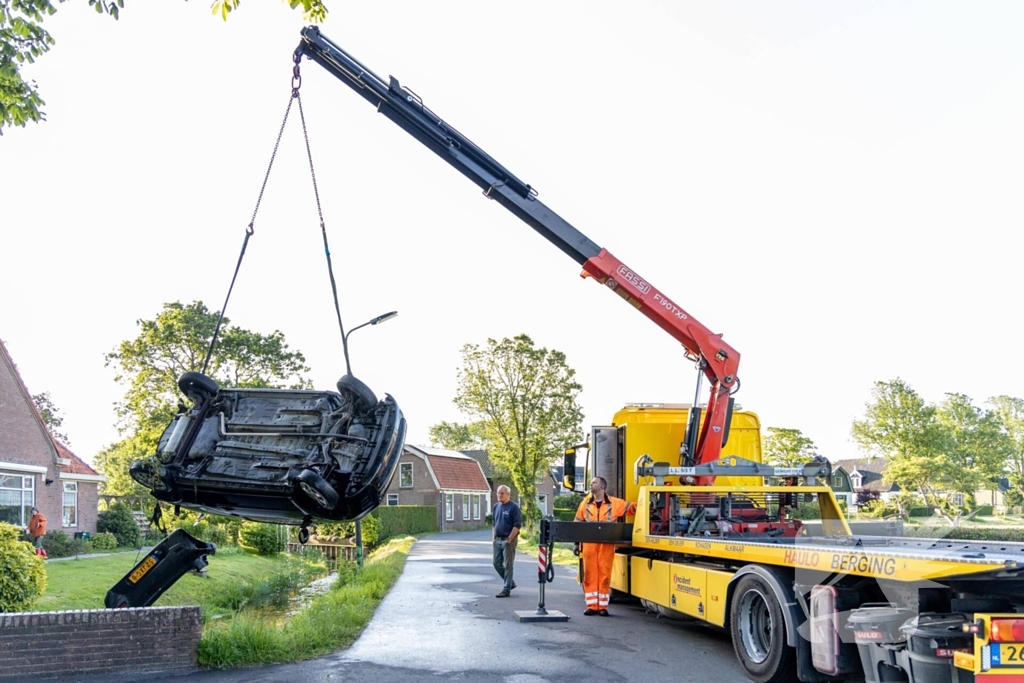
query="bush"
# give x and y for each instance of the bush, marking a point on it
(265, 539)
(996, 535)
(58, 544)
(119, 521)
(103, 541)
(984, 511)
(405, 520)
(569, 500)
(22, 576)
(1014, 498)
(565, 514)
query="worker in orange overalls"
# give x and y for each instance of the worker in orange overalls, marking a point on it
(597, 557)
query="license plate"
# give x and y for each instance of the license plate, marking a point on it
(1007, 654)
(141, 570)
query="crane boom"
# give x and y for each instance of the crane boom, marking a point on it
(716, 359)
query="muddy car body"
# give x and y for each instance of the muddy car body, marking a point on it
(277, 455)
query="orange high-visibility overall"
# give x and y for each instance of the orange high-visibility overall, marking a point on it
(597, 557)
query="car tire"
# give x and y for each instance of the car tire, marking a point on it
(196, 385)
(363, 396)
(317, 490)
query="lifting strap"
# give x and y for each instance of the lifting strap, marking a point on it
(249, 230)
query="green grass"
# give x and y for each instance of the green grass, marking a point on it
(562, 554)
(330, 622)
(234, 579)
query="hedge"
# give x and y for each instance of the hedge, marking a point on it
(1005, 534)
(402, 520)
(565, 514)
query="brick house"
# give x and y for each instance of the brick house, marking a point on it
(547, 488)
(36, 469)
(448, 480)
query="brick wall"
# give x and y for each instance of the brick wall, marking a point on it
(40, 645)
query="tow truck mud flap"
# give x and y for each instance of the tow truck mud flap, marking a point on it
(159, 570)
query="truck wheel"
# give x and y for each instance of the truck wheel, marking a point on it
(317, 489)
(363, 397)
(759, 632)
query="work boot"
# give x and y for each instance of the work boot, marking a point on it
(590, 612)
(604, 613)
(503, 594)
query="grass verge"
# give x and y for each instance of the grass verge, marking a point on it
(235, 579)
(330, 622)
(562, 554)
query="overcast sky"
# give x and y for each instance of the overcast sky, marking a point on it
(835, 187)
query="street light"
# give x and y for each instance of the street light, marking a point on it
(373, 321)
(348, 369)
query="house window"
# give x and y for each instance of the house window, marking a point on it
(857, 480)
(542, 503)
(476, 507)
(837, 481)
(405, 476)
(958, 499)
(70, 513)
(465, 506)
(449, 506)
(17, 496)
(392, 499)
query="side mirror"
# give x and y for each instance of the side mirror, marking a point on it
(569, 469)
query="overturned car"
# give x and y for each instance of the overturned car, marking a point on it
(277, 455)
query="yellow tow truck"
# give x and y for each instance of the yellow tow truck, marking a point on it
(808, 602)
(710, 540)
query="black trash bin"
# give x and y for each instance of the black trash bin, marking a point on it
(876, 629)
(931, 641)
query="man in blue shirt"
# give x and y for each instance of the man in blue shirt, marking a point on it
(507, 518)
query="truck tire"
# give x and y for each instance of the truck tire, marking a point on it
(317, 489)
(759, 632)
(362, 396)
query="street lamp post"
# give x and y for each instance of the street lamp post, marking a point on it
(348, 370)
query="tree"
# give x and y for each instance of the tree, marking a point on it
(783, 447)
(51, 416)
(899, 425)
(176, 341)
(456, 436)
(977, 446)
(23, 39)
(523, 400)
(1009, 412)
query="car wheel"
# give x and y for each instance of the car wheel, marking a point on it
(759, 633)
(197, 385)
(317, 489)
(363, 396)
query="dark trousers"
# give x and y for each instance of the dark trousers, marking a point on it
(504, 559)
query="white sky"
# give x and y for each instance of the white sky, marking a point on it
(836, 187)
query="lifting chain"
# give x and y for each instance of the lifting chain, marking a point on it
(250, 229)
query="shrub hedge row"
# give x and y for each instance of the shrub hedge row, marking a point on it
(404, 520)
(1006, 534)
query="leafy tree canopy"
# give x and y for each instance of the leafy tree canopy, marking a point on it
(783, 447)
(456, 436)
(51, 416)
(1009, 411)
(523, 404)
(23, 39)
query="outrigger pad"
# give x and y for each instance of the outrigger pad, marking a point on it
(282, 456)
(159, 570)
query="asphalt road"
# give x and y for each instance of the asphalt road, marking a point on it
(441, 621)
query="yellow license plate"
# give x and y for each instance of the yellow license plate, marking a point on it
(141, 570)
(1007, 654)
